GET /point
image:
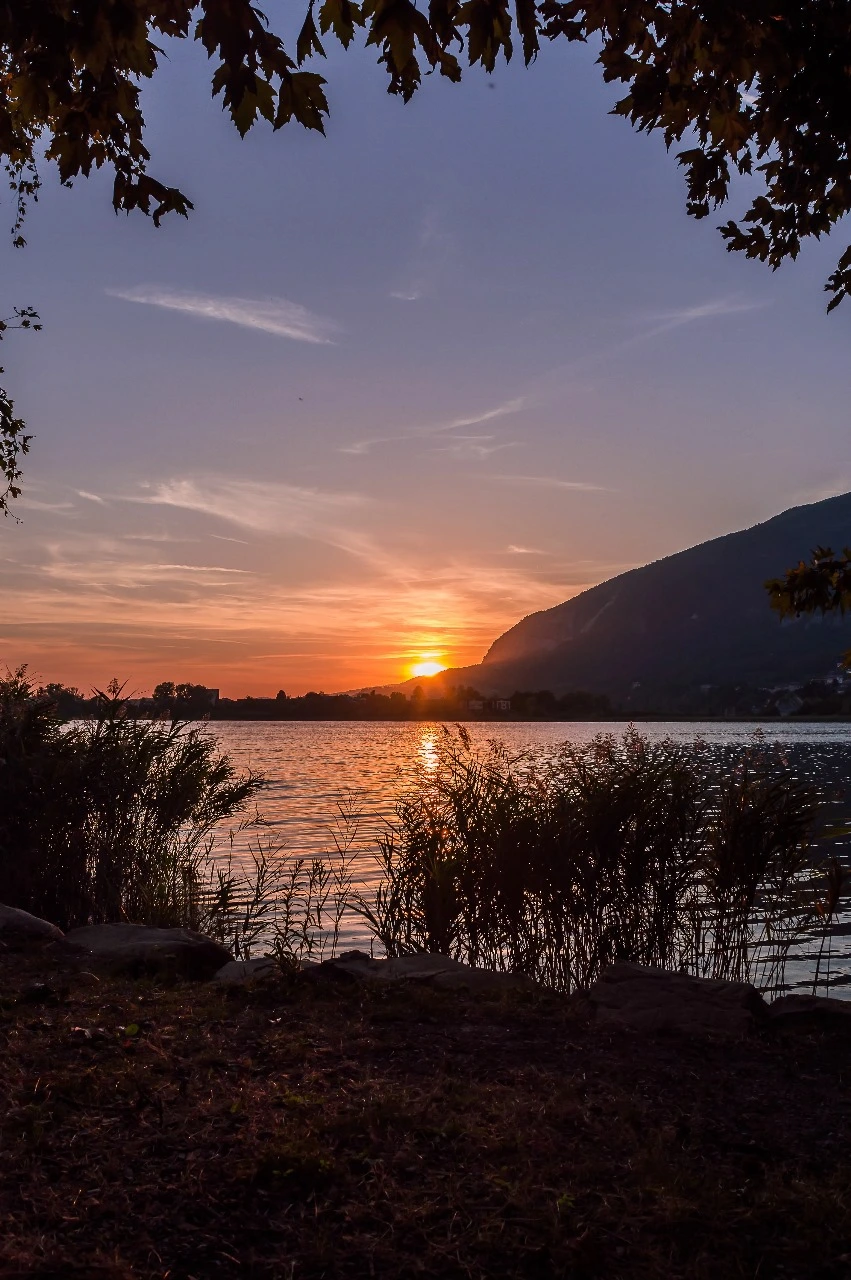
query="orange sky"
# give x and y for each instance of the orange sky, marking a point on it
(146, 587)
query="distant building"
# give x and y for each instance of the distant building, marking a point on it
(789, 704)
(475, 704)
(502, 704)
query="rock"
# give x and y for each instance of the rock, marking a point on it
(629, 995)
(807, 1013)
(40, 993)
(19, 931)
(435, 970)
(236, 972)
(137, 948)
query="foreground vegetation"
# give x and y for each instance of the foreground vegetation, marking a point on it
(112, 819)
(554, 867)
(656, 853)
(319, 1130)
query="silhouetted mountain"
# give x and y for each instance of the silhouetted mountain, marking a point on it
(650, 638)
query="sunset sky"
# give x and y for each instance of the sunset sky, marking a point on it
(388, 391)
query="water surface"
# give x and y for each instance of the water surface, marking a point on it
(309, 765)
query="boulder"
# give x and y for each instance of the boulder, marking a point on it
(646, 999)
(806, 1013)
(236, 972)
(138, 948)
(19, 931)
(433, 970)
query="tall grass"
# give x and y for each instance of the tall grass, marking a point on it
(297, 908)
(623, 849)
(108, 820)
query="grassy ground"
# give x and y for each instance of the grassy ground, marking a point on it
(320, 1130)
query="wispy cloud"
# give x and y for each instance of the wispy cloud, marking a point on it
(36, 504)
(201, 568)
(436, 429)
(514, 550)
(252, 504)
(277, 316)
(709, 310)
(642, 328)
(433, 249)
(474, 448)
(552, 482)
(91, 497)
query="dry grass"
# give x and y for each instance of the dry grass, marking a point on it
(316, 1130)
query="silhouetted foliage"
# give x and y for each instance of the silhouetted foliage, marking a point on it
(820, 585)
(196, 701)
(14, 440)
(621, 849)
(108, 819)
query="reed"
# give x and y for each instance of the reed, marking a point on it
(623, 849)
(112, 819)
(294, 907)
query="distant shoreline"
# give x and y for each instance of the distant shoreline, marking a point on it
(625, 719)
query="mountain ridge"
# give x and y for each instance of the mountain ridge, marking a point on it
(652, 636)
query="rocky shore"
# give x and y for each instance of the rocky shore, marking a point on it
(170, 1113)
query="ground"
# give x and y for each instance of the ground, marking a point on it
(305, 1129)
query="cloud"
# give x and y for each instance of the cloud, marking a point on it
(513, 550)
(275, 315)
(456, 424)
(90, 497)
(552, 482)
(201, 568)
(434, 247)
(709, 310)
(35, 504)
(474, 447)
(252, 504)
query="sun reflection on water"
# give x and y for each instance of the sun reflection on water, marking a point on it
(427, 749)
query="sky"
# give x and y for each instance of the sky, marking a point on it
(388, 391)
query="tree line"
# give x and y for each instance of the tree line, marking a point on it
(186, 701)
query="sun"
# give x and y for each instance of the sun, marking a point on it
(428, 667)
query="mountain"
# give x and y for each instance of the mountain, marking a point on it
(652, 637)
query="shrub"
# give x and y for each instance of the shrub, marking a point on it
(110, 819)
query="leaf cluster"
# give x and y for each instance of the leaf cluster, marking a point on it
(821, 584)
(761, 87)
(14, 440)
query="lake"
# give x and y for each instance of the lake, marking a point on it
(310, 765)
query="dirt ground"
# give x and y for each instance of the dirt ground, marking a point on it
(306, 1129)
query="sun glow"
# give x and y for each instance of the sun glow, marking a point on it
(427, 667)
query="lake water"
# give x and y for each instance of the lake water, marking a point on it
(310, 765)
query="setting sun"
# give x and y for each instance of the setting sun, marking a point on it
(427, 668)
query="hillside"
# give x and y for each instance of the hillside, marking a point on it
(651, 637)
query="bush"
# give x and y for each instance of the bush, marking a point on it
(111, 819)
(623, 849)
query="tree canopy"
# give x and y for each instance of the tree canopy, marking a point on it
(820, 585)
(760, 86)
